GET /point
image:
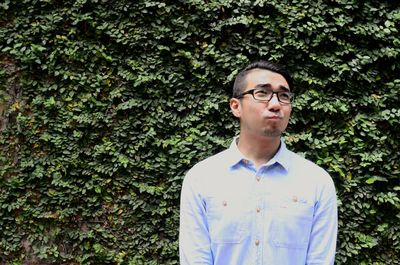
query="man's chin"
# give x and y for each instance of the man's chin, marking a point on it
(272, 133)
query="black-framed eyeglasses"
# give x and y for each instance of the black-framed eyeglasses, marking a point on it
(265, 95)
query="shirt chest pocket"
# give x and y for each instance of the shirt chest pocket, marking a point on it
(291, 224)
(228, 220)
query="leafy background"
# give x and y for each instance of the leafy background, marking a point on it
(106, 104)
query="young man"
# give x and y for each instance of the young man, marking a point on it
(257, 202)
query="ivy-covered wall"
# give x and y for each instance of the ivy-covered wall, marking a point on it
(105, 104)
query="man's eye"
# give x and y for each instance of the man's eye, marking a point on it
(284, 95)
(262, 93)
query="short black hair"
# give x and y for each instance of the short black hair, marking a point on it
(266, 65)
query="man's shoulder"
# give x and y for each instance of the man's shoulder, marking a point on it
(215, 161)
(210, 165)
(207, 173)
(304, 166)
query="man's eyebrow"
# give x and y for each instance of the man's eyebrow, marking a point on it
(269, 86)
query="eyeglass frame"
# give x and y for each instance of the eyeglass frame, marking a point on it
(252, 92)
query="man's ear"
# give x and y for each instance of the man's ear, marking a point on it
(235, 107)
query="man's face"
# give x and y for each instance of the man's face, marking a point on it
(268, 119)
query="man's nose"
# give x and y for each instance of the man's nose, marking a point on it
(274, 102)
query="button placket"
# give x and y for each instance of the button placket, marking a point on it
(259, 221)
(259, 215)
(258, 233)
(259, 174)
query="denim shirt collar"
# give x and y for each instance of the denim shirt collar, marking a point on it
(236, 158)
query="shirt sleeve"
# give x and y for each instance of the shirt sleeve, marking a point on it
(194, 240)
(322, 246)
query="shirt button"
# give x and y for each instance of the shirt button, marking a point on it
(224, 203)
(258, 178)
(258, 210)
(257, 242)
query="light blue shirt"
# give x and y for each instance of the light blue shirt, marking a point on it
(283, 213)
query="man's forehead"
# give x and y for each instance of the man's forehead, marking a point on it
(259, 76)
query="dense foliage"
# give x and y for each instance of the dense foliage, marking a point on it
(106, 104)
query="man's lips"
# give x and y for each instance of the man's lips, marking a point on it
(274, 117)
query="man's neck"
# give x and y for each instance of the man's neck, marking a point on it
(258, 149)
